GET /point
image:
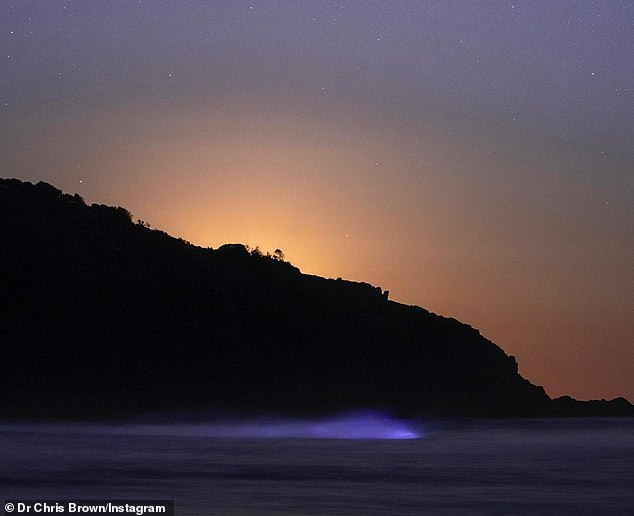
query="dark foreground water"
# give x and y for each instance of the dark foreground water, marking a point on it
(470, 467)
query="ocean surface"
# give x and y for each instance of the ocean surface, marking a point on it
(359, 464)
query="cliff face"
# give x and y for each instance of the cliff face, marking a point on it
(101, 316)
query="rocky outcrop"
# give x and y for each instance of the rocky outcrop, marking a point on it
(102, 316)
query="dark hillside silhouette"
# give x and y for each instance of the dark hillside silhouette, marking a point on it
(103, 317)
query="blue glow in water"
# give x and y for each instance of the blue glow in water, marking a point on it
(366, 425)
(355, 425)
(464, 467)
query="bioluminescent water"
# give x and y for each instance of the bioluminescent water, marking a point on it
(365, 425)
(475, 467)
(356, 425)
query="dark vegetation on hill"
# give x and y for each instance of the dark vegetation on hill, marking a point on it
(102, 317)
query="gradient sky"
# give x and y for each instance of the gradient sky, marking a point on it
(474, 158)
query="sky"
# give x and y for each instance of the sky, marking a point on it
(473, 158)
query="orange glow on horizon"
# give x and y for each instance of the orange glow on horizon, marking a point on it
(374, 196)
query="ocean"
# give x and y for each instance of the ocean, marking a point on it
(360, 464)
